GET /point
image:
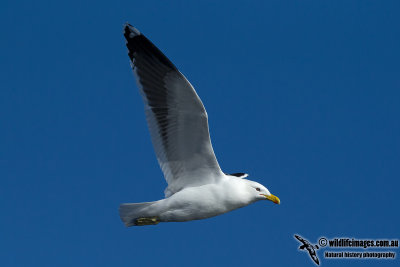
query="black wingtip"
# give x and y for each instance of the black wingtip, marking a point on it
(130, 31)
(239, 174)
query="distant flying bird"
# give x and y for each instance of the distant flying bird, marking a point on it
(178, 122)
(309, 247)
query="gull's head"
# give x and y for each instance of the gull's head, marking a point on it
(260, 192)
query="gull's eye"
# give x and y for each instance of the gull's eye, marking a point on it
(258, 189)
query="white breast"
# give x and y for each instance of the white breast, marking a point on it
(195, 203)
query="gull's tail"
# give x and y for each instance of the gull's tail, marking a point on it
(130, 212)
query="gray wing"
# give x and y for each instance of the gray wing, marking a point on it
(175, 115)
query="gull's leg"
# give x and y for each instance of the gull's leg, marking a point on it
(147, 221)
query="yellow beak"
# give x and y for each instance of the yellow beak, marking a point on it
(273, 198)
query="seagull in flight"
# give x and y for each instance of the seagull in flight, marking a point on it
(178, 123)
(309, 247)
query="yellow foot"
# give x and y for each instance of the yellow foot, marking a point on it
(147, 221)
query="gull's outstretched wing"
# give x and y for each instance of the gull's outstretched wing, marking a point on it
(175, 115)
(314, 256)
(302, 240)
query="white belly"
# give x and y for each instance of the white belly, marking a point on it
(197, 203)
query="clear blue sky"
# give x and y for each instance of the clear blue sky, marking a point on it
(302, 95)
